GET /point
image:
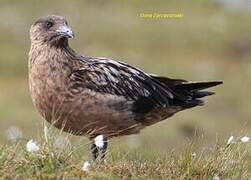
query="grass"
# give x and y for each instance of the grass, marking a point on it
(65, 161)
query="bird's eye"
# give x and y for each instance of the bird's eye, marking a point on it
(49, 24)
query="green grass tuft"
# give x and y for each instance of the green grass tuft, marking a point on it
(50, 162)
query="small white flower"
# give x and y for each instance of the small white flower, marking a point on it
(245, 139)
(194, 154)
(32, 146)
(86, 166)
(99, 141)
(230, 140)
(216, 177)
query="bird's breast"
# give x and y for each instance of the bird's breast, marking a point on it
(47, 82)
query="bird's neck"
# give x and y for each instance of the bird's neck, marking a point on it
(41, 51)
(49, 63)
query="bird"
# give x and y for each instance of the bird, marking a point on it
(98, 96)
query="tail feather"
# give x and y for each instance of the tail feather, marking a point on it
(197, 86)
(202, 94)
(187, 94)
(193, 91)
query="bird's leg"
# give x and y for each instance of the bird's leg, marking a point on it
(103, 149)
(94, 151)
(99, 147)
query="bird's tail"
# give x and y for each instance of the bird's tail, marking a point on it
(194, 91)
(197, 86)
(187, 94)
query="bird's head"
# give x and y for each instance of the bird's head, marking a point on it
(51, 30)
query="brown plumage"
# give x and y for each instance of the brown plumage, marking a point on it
(91, 95)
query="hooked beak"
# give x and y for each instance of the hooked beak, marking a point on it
(65, 31)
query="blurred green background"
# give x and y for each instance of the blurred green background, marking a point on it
(211, 42)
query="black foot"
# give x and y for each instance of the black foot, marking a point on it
(94, 151)
(99, 152)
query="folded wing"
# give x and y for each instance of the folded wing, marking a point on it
(107, 76)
